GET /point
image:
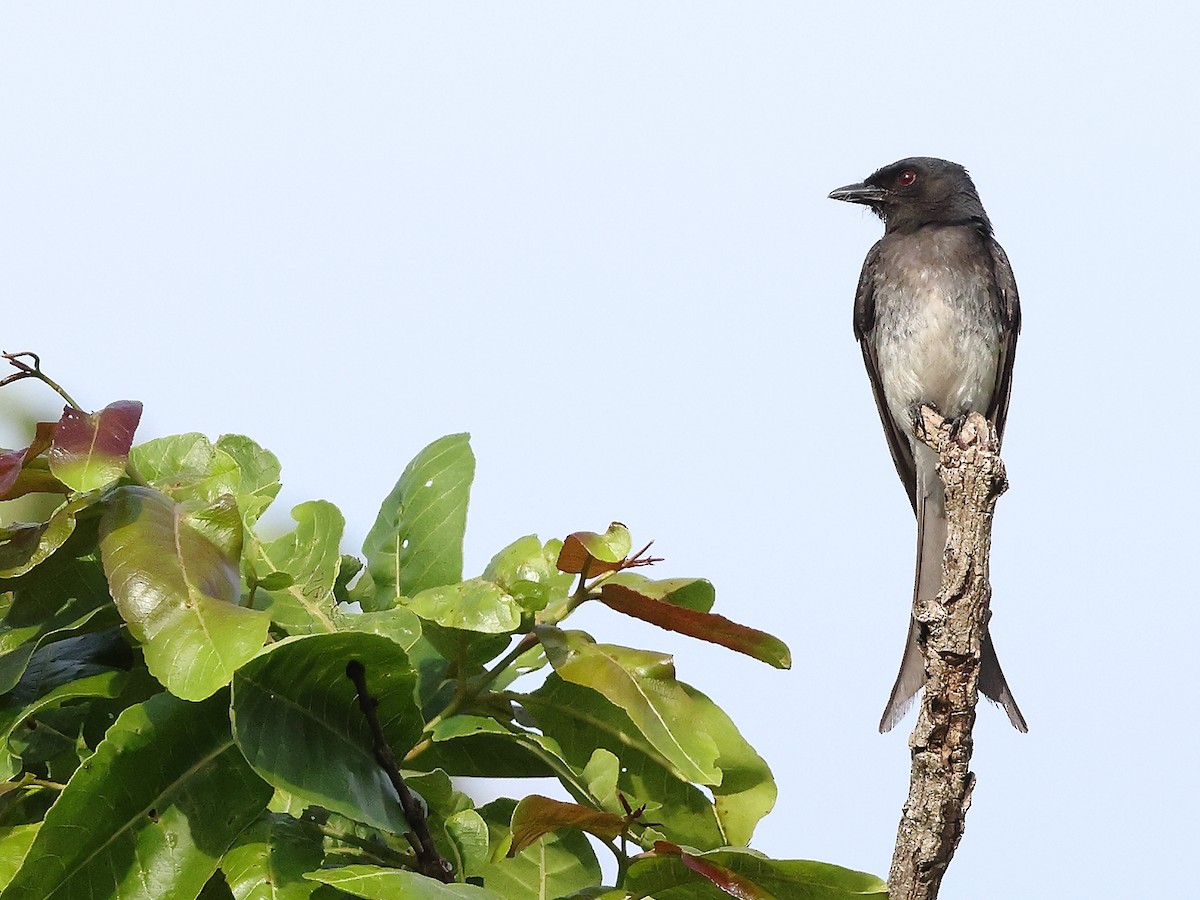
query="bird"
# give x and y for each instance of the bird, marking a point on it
(936, 315)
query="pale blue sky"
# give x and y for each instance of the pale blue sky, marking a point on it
(596, 236)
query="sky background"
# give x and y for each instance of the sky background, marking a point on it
(596, 236)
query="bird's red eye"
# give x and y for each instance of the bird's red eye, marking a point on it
(905, 178)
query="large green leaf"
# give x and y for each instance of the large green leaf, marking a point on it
(187, 467)
(480, 746)
(581, 721)
(416, 541)
(150, 813)
(747, 790)
(398, 624)
(259, 470)
(643, 684)
(90, 450)
(268, 860)
(178, 592)
(671, 873)
(297, 721)
(376, 883)
(310, 557)
(472, 605)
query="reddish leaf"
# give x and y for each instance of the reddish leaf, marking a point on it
(10, 467)
(90, 450)
(727, 880)
(705, 626)
(13, 461)
(536, 816)
(599, 552)
(43, 437)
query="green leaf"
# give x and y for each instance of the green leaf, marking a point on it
(705, 626)
(536, 816)
(376, 883)
(187, 467)
(642, 683)
(581, 721)
(178, 592)
(558, 864)
(16, 646)
(268, 860)
(527, 572)
(601, 775)
(14, 844)
(747, 790)
(416, 541)
(64, 580)
(309, 555)
(598, 552)
(90, 450)
(215, 889)
(259, 468)
(398, 624)
(468, 836)
(472, 605)
(220, 522)
(31, 545)
(671, 873)
(479, 746)
(105, 684)
(348, 568)
(297, 720)
(150, 813)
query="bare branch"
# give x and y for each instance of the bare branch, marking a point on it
(953, 627)
(430, 862)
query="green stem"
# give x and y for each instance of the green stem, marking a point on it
(468, 691)
(378, 852)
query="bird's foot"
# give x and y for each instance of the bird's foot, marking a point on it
(918, 420)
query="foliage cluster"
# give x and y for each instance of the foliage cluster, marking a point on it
(176, 719)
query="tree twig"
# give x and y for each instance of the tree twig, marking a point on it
(429, 860)
(953, 626)
(34, 370)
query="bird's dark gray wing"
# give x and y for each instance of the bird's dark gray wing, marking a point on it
(1010, 318)
(864, 324)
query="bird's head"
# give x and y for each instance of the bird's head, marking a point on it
(917, 191)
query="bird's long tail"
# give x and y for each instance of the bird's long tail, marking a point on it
(931, 546)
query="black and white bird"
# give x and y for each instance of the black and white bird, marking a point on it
(937, 316)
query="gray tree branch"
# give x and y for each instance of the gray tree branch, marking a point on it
(953, 626)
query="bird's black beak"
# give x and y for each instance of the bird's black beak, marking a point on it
(859, 193)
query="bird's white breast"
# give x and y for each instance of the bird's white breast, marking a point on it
(937, 335)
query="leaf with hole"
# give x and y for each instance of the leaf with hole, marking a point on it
(90, 450)
(416, 541)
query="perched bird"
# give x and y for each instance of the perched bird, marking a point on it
(936, 315)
